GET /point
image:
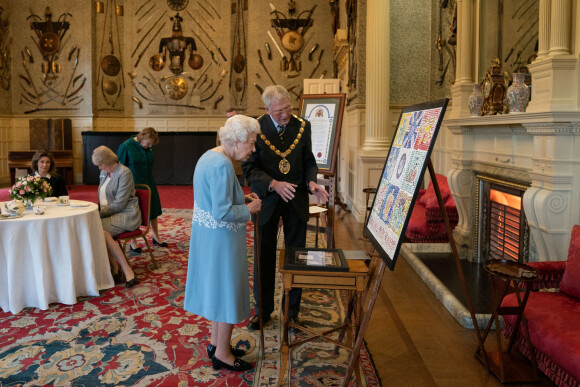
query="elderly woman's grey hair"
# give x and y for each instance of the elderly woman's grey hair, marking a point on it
(273, 94)
(237, 129)
(103, 155)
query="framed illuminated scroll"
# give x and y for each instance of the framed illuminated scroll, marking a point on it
(403, 171)
(324, 111)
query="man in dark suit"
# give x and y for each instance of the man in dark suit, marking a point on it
(282, 171)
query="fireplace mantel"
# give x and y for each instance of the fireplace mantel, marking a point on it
(513, 120)
(545, 147)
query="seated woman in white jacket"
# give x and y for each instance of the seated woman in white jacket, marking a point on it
(118, 208)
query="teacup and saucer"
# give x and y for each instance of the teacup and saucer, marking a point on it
(39, 210)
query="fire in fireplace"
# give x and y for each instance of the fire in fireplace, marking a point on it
(502, 231)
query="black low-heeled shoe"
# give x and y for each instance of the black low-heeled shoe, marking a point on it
(138, 250)
(133, 282)
(163, 244)
(119, 277)
(239, 364)
(235, 351)
(255, 321)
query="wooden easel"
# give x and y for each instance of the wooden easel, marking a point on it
(378, 267)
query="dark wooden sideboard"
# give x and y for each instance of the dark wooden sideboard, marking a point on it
(176, 154)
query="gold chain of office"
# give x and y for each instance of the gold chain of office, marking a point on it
(284, 164)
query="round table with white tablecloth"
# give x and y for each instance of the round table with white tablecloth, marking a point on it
(54, 257)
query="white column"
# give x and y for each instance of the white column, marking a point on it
(464, 76)
(544, 29)
(377, 76)
(560, 27)
(465, 41)
(555, 75)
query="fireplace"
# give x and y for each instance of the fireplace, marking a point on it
(502, 230)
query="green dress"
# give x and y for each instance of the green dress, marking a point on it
(140, 161)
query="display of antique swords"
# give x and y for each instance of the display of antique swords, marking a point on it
(213, 9)
(147, 33)
(213, 92)
(206, 34)
(317, 63)
(201, 76)
(205, 9)
(148, 44)
(148, 20)
(206, 46)
(141, 7)
(264, 67)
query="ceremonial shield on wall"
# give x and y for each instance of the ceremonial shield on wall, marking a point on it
(397, 189)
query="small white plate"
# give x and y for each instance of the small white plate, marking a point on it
(51, 199)
(12, 216)
(78, 204)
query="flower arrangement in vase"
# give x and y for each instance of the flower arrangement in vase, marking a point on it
(30, 188)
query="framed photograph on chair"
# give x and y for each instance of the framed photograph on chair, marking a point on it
(324, 111)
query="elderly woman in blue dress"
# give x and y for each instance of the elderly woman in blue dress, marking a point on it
(217, 285)
(118, 208)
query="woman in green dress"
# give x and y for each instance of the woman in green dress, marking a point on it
(137, 154)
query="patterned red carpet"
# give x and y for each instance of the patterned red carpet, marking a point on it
(143, 337)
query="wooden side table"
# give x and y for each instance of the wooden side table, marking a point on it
(354, 279)
(503, 364)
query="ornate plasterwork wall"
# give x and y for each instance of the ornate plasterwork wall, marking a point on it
(87, 31)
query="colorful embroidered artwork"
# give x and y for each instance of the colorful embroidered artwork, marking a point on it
(387, 210)
(426, 133)
(401, 130)
(391, 162)
(413, 173)
(400, 209)
(403, 170)
(401, 165)
(413, 130)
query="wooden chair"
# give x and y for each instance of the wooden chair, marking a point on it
(143, 193)
(315, 211)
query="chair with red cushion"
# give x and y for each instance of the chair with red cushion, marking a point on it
(553, 317)
(143, 193)
(426, 224)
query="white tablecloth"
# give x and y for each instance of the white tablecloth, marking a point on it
(55, 257)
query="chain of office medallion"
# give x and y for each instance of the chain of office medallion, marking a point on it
(292, 146)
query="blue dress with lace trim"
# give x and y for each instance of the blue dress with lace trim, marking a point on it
(217, 286)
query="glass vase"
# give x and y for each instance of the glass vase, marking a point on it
(518, 94)
(475, 101)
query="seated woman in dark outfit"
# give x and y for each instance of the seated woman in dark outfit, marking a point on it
(43, 166)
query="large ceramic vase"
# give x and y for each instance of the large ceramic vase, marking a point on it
(518, 94)
(475, 101)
